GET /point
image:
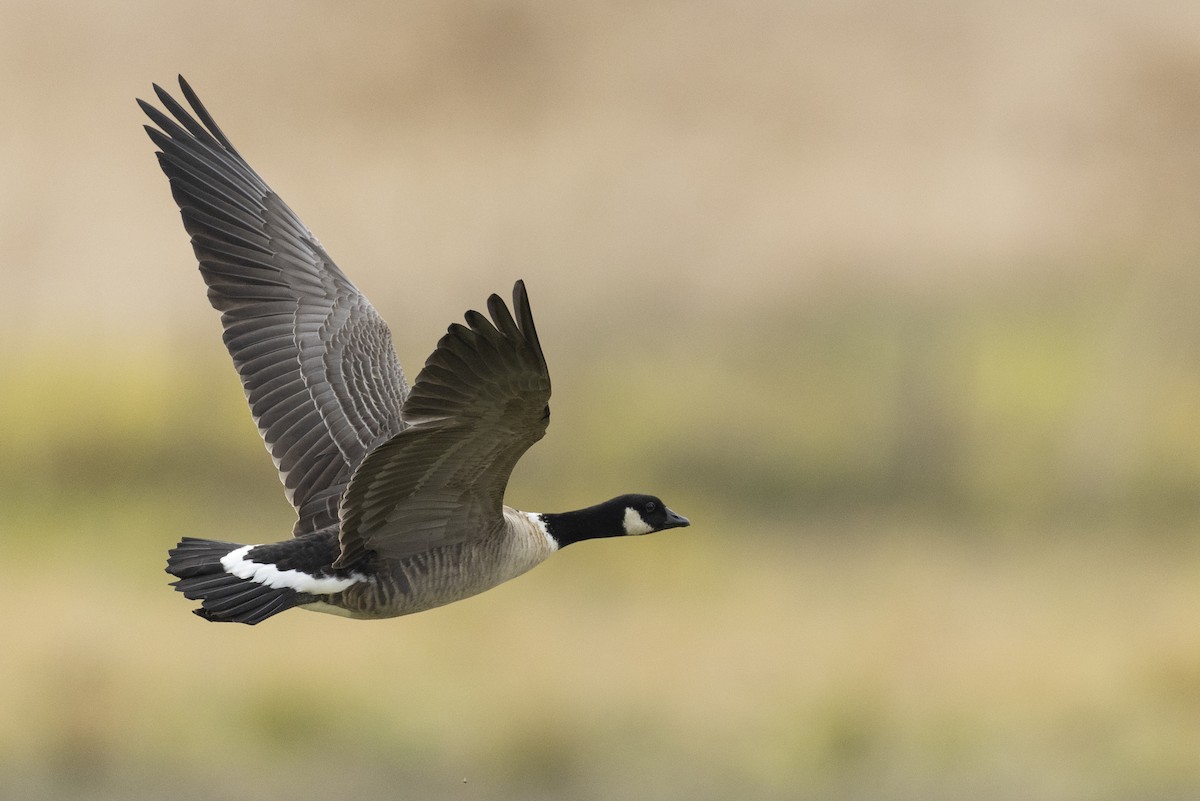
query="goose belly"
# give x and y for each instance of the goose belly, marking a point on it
(435, 578)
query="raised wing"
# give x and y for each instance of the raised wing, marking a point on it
(316, 360)
(476, 407)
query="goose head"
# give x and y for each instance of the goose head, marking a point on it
(623, 516)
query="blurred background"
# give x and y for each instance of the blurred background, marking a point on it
(896, 300)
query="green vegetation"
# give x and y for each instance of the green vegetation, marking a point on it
(915, 573)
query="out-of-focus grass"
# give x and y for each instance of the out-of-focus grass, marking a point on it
(818, 662)
(1007, 405)
(1014, 407)
(896, 586)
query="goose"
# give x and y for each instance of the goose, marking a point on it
(398, 489)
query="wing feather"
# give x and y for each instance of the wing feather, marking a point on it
(315, 359)
(479, 403)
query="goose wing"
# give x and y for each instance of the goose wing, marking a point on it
(479, 403)
(315, 359)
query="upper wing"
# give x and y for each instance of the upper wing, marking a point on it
(316, 360)
(476, 407)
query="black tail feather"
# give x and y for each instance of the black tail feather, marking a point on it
(196, 557)
(223, 596)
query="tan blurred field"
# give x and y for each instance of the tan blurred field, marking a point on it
(896, 301)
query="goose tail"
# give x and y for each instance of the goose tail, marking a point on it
(224, 597)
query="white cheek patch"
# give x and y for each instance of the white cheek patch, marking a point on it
(634, 524)
(235, 563)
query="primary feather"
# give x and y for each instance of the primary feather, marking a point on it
(315, 359)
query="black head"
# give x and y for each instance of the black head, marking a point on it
(645, 514)
(625, 515)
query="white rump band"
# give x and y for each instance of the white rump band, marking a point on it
(236, 563)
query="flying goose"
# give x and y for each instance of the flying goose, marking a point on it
(398, 490)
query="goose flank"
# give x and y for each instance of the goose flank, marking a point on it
(398, 488)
